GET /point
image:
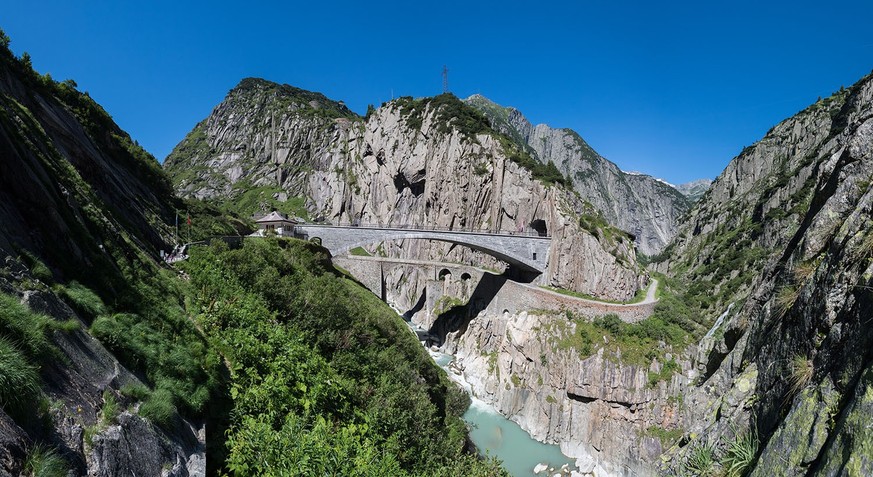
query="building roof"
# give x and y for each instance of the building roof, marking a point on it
(274, 217)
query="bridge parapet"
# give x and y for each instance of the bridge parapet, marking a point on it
(526, 252)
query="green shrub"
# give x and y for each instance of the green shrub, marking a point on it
(547, 173)
(83, 300)
(321, 369)
(45, 462)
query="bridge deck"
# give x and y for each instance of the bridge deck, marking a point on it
(533, 235)
(525, 251)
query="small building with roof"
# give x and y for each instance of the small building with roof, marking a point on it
(275, 223)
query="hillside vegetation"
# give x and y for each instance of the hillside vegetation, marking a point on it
(324, 377)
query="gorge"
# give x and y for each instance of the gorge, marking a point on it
(718, 330)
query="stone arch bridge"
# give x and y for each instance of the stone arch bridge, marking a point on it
(527, 253)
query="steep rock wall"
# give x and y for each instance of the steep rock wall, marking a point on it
(597, 409)
(790, 363)
(408, 163)
(642, 205)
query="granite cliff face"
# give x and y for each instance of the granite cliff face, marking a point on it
(644, 206)
(782, 242)
(770, 270)
(430, 162)
(597, 408)
(774, 265)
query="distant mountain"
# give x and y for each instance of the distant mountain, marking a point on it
(637, 203)
(694, 190)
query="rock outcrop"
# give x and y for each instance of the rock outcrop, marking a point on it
(77, 387)
(596, 408)
(644, 206)
(777, 262)
(784, 238)
(694, 190)
(428, 162)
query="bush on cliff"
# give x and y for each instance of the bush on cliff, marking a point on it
(324, 377)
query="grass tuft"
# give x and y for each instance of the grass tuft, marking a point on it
(803, 271)
(740, 454)
(801, 374)
(37, 268)
(66, 326)
(83, 300)
(45, 462)
(701, 461)
(785, 298)
(137, 392)
(159, 408)
(19, 380)
(25, 328)
(110, 409)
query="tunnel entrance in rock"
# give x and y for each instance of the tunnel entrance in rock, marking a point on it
(539, 225)
(400, 183)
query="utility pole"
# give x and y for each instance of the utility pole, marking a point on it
(445, 79)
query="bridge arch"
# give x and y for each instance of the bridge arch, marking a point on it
(524, 253)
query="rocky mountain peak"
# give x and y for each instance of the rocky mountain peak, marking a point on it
(695, 189)
(285, 95)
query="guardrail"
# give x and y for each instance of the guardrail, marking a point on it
(524, 233)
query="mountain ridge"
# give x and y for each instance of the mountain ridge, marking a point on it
(428, 161)
(640, 204)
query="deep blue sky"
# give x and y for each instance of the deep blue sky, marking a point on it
(673, 89)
